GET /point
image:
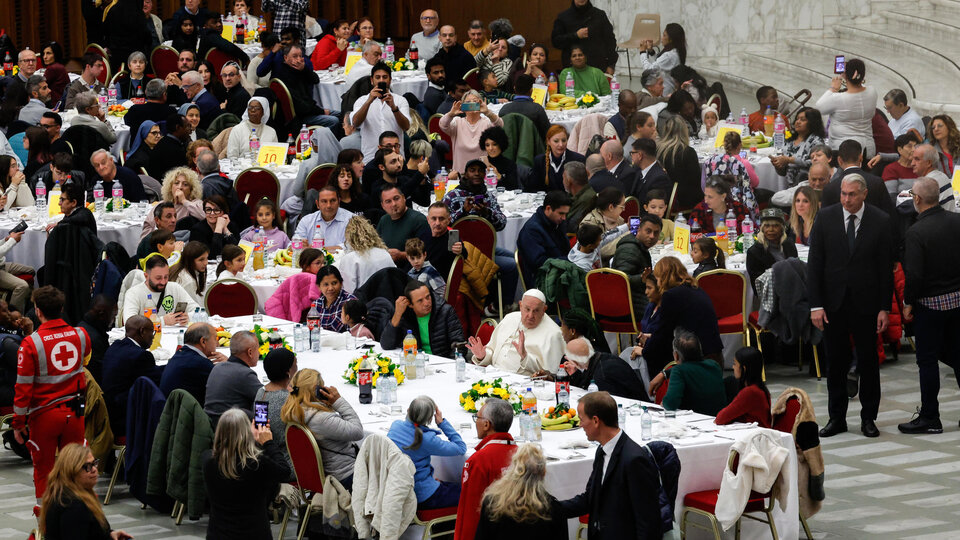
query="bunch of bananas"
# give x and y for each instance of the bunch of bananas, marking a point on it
(223, 338)
(560, 418)
(561, 102)
(758, 141)
(283, 257)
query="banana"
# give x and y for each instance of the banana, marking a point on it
(557, 97)
(553, 421)
(559, 427)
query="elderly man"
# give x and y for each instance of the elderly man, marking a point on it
(457, 61)
(369, 56)
(382, 111)
(330, 221)
(427, 40)
(524, 342)
(39, 94)
(164, 219)
(585, 365)
(544, 235)
(575, 183)
(193, 88)
(925, 162)
(171, 150)
(586, 25)
(27, 62)
(903, 118)
(89, 114)
(125, 361)
(237, 95)
(477, 38)
(189, 368)
(487, 463)
(88, 81)
(108, 172)
(612, 154)
(652, 92)
(616, 126)
(849, 285)
(817, 178)
(632, 257)
(434, 325)
(931, 299)
(234, 383)
(400, 222)
(155, 108)
(212, 182)
(600, 177)
(157, 291)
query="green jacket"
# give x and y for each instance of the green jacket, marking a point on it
(559, 279)
(583, 203)
(176, 467)
(525, 140)
(696, 386)
(631, 258)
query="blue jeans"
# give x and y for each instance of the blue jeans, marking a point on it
(446, 495)
(509, 276)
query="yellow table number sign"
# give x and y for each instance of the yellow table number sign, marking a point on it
(272, 154)
(229, 32)
(956, 183)
(352, 58)
(681, 238)
(722, 129)
(539, 94)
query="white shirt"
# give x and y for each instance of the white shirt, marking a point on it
(643, 172)
(379, 119)
(613, 169)
(857, 221)
(135, 300)
(907, 121)
(334, 231)
(608, 451)
(359, 70)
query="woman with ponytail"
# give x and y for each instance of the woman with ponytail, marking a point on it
(421, 443)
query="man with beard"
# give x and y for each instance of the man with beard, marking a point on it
(157, 292)
(39, 94)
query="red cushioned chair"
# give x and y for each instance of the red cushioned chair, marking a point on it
(230, 298)
(727, 290)
(254, 184)
(433, 124)
(284, 100)
(219, 58)
(785, 422)
(102, 53)
(483, 236)
(486, 330)
(584, 524)
(631, 207)
(163, 61)
(308, 466)
(451, 294)
(704, 503)
(318, 177)
(611, 302)
(428, 519)
(662, 389)
(472, 77)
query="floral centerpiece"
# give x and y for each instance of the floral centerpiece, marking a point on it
(384, 365)
(269, 338)
(587, 100)
(473, 399)
(402, 64)
(108, 205)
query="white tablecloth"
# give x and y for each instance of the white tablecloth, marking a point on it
(568, 119)
(253, 49)
(703, 448)
(766, 172)
(332, 86)
(517, 207)
(286, 174)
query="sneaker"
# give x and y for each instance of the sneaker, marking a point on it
(921, 425)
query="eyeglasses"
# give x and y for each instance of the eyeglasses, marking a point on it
(212, 211)
(911, 193)
(477, 417)
(154, 133)
(427, 18)
(29, 61)
(91, 465)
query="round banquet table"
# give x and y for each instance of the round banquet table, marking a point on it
(286, 174)
(766, 173)
(332, 86)
(253, 49)
(569, 119)
(518, 207)
(701, 446)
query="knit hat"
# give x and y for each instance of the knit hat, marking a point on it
(708, 108)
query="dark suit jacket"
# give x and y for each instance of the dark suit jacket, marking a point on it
(626, 504)
(158, 112)
(623, 171)
(687, 307)
(656, 178)
(209, 108)
(123, 363)
(189, 371)
(838, 279)
(604, 179)
(456, 62)
(877, 194)
(132, 185)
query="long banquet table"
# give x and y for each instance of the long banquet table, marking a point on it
(702, 447)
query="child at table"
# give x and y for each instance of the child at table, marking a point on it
(491, 94)
(163, 242)
(354, 316)
(586, 252)
(656, 204)
(268, 219)
(422, 271)
(706, 255)
(233, 259)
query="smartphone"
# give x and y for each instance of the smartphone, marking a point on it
(22, 226)
(261, 410)
(470, 106)
(383, 88)
(453, 238)
(634, 224)
(839, 64)
(181, 307)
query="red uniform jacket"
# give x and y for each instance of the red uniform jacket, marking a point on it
(482, 469)
(49, 368)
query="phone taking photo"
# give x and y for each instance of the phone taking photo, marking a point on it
(261, 412)
(452, 238)
(383, 88)
(634, 224)
(839, 64)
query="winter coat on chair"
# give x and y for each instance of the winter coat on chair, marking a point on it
(383, 498)
(144, 407)
(294, 295)
(584, 130)
(560, 279)
(793, 412)
(478, 271)
(96, 420)
(761, 469)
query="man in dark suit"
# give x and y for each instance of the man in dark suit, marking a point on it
(192, 87)
(190, 367)
(622, 492)
(522, 104)
(849, 284)
(849, 157)
(600, 177)
(612, 154)
(456, 60)
(650, 175)
(155, 108)
(124, 362)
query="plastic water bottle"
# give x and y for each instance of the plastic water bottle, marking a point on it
(562, 386)
(491, 180)
(536, 428)
(296, 245)
(614, 89)
(317, 241)
(421, 365)
(779, 133)
(112, 96)
(180, 338)
(117, 196)
(204, 317)
(254, 143)
(621, 415)
(524, 428)
(646, 425)
(98, 197)
(593, 387)
(410, 355)
(568, 85)
(41, 200)
(731, 222)
(540, 80)
(529, 402)
(744, 117)
(303, 141)
(747, 228)
(388, 49)
(461, 367)
(768, 122)
(102, 99)
(680, 219)
(730, 119)
(315, 339)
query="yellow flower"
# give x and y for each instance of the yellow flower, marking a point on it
(461, 399)
(469, 405)
(264, 349)
(401, 60)
(383, 363)
(384, 369)
(588, 98)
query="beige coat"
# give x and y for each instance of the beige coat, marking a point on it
(384, 502)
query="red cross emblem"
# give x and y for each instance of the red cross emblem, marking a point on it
(64, 356)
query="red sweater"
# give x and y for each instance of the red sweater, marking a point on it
(326, 53)
(896, 171)
(751, 405)
(483, 468)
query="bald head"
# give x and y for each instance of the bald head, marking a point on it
(595, 163)
(818, 176)
(139, 329)
(579, 350)
(926, 193)
(612, 153)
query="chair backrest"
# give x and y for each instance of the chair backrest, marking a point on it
(610, 300)
(106, 74)
(631, 207)
(305, 456)
(433, 125)
(254, 184)
(479, 232)
(472, 77)
(662, 389)
(163, 60)
(784, 422)
(318, 177)
(118, 74)
(727, 290)
(452, 293)
(673, 197)
(218, 58)
(485, 330)
(284, 100)
(519, 261)
(230, 298)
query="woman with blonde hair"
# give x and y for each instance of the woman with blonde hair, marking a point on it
(333, 422)
(518, 504)
(366, 254)
(70, 507)
(465, 130)
(181, 186)
(242, 474)
(680, 161)
(806, 204)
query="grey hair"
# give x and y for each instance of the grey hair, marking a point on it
(897, 96)
(370, 45)
(20, 54)
(84, 101)
(234, 447)
(241, 341)
(499, 413)
(501, 27)
(927, 189)
(595, 163)
(824, 149)
(207, 163)
(856, 179)
(473, 93)
(649, 77)
(476, 24)
(136, 55)
(191, 77)
(930, 154)
(577, 172)
(197, 331)
(687, 346)
(97, 152)
(419, 413)
(33, 83)
(420, 148)
(156, 89)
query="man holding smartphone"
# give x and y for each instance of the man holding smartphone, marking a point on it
(160, 293)
(382, 111)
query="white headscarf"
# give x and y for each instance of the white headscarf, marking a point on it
(266, 110)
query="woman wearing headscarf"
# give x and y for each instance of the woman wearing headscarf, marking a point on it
(254, 119)
(140, 151)
(192, 112)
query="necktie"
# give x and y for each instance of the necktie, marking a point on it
(598, 465)
(851, 231)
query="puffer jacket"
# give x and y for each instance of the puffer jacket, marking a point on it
(810, 465)
(95, 419)
(631, 258)
(478, 271)
(560, 279)
(445, 330)
(176, 464)
(894, 330)
(145, 404)
(668, 463)
(294, 295)
(383, 498)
